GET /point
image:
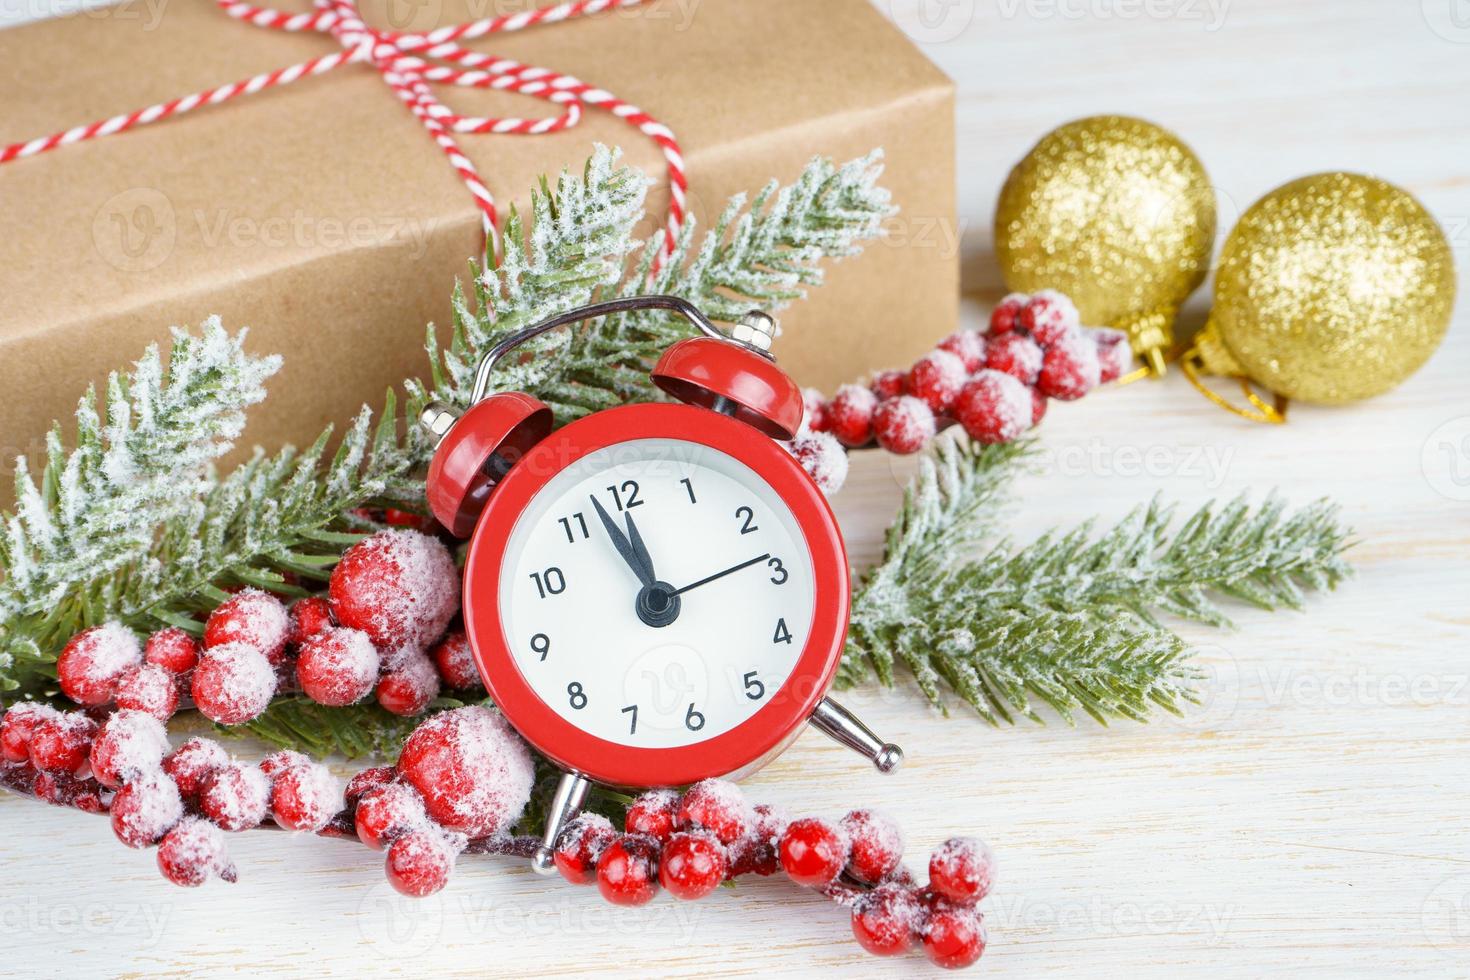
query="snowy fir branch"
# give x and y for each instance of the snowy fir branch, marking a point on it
(1069, 620)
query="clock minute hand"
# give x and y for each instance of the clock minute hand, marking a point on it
(640, 550)
(621, 543)
(729, 571)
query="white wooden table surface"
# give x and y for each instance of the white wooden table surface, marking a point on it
(1310, 817)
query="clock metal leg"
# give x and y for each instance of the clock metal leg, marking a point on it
(843, 727)
(571, 792)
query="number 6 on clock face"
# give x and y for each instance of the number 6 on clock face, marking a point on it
(657, 594)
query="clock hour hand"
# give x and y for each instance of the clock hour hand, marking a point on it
(639, 548)
(729, 571)
(624, 547)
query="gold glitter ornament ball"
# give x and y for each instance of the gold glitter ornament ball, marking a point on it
(1331, 288)
(1118, 214)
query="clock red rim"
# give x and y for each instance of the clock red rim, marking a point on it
(753, 742)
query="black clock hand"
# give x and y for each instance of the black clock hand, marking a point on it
(621, 543)
(639, 548)
(729, 571)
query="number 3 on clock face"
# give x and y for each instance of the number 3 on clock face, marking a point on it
(663, 606)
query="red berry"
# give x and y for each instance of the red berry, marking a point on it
(755, 853)
(399, 587)
(305, 798)
(814, 410)
(282, 761)
(904, 425)
(193, 852)
(233, 684)
(823, 458)
(968, 346)
(309, 617)
(1070, 369)
(876, 845)
(1038, 407)
(192, 763)
(92, 661)
(61, 743)
(813, 851)
(627, 871)
(850, 415)
(937, 378)
(473, 770)
(63, 789)
(15, 730)
(410, 687)
(1015, 354)
(456, 662)
(580, 845)
(385, 814)
(236, 797)
(884, 920)
(145, 809)
(1050, 316)
(419, 863)
(961, 870)
(149, 688)
(1003, 318)
(1114, 354)
(394, 517)
(338, 667)
(994, 407)
(718, 806)
(172, 649)
(252, 617)
(692, 865)
(954, 936)
(365, 781)
(653, 814)
(130, 743)
(889, 384)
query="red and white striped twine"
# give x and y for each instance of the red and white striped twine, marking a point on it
(409, 63)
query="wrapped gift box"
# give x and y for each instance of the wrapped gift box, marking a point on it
(320, 214)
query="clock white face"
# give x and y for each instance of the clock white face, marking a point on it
(679, 656)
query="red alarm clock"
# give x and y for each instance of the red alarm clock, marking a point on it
(655, 594)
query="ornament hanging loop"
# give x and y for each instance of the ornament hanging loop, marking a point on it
(1192, 364)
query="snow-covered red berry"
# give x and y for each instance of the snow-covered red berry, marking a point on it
(473, 770)
(813, 851)
(885, 919)
(937, 378)
(193, 852)
(968, 346)
(627, 871)
(64, 789)
(1070, 369)
(953, 935)
(409, 687)
(1015, 354)
(994, 407)
(145, 809)
(254, 618)
(692, 865)
(61, 742)
(889, 384)
(716, 805)
(91, 663)
(1114, 354)
(399, 587)
(338, 667)
(150, 688)
(281, 761)
(309, 616)
(172, 649)
(456, 662)
(876, 845)
(236, 797)
(387, 813)
(904, 425)
(305, 797)
(813, 410)
(233, 684)
(192, 763)
(580, 845)
(1038, 407)
(823, 458)
(130, 743)
(15, 730)
(755, 853)
(1049, 316)
(365, 781)
(419, 863)
(1003, 319)
(961, 870)
(653, 813)
(850, 415)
